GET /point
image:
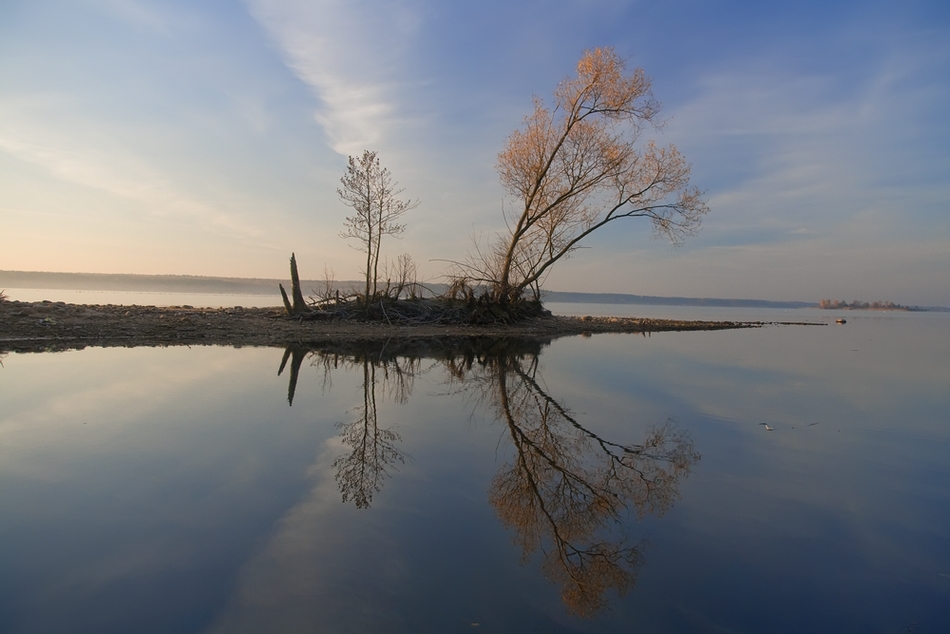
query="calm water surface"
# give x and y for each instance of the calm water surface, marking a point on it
(784, 479)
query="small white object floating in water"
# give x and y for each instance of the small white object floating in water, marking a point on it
(841, 321)
(767, 428)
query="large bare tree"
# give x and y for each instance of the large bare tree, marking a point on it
(370, 190)
(579, 166)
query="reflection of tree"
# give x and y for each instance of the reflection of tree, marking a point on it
(567, 489)
(296, 356)
(361, 472)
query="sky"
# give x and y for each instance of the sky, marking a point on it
(209, 138)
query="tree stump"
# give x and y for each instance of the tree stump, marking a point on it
(299, 306)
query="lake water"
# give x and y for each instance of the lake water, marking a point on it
(782, 479)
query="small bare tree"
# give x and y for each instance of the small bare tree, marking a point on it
(402, 278)
(573, 169)
(369, 189)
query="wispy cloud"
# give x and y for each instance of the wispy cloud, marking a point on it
(136, 12)
(34, 129)
(348, 53)
(794, 151)
(174, 129)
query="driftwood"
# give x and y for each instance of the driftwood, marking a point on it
(459, 307)
(415, 310)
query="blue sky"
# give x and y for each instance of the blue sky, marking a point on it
(208, 138)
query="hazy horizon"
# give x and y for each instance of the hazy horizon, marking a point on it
(167, 138)
(202, 284)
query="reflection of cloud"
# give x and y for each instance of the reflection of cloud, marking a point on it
(308, 571)
(344, 51)
(140, 388)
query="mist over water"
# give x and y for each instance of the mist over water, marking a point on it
(143, 298)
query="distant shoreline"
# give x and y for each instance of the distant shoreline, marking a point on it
(132, 283)
(194, 284)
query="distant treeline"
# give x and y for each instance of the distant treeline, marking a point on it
(653, 300)
(858, 305)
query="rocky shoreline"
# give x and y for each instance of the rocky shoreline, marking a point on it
(51, 326)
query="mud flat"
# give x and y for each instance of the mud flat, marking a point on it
(48, 326)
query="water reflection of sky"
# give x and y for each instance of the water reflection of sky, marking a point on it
(174, 489)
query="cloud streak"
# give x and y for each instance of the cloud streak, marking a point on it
(348, 53)
(84, 153)
(804, 157)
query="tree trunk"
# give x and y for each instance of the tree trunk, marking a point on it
(299, 306)
(369, 263)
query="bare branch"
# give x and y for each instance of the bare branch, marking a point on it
(370, 190)
(576, 167)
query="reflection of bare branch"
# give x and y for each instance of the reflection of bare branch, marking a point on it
(361, 473)
(399, 378)
(398, 372)
(567, 489)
